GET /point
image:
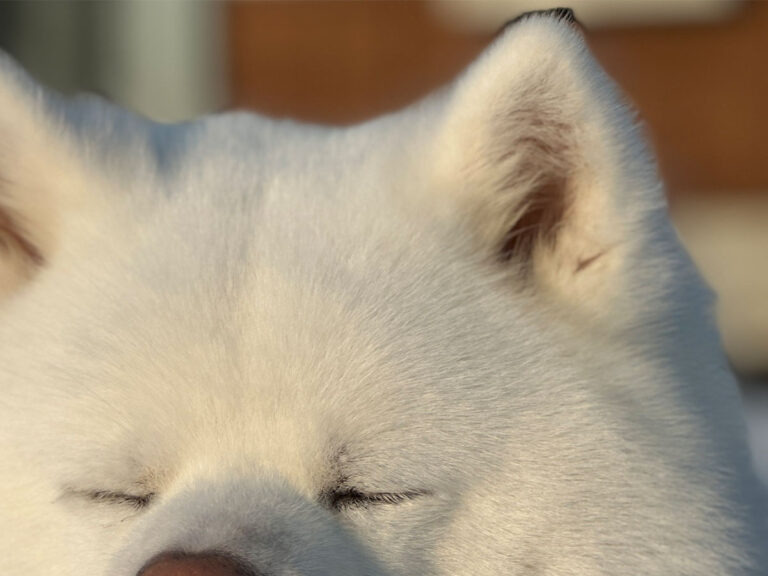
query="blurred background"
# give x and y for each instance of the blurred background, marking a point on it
(697, 71)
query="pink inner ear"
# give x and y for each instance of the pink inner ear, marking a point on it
(536, 134)
(541, 214)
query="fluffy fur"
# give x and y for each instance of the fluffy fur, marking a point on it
(462, 339)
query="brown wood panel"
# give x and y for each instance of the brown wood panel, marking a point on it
(702, 89)
(339, 62)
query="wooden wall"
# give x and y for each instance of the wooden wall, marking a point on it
(703, 90)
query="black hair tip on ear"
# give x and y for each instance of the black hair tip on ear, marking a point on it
(563, 14)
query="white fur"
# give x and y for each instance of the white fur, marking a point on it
(239, 313)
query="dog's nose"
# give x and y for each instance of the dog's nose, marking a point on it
(177, 564)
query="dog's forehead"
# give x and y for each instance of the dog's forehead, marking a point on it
(289, 304)
(299, 349)
(259, 309)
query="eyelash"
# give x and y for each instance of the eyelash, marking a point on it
(138, 502)
(344, 499)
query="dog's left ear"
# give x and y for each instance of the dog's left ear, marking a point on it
(546, 165)
(39, 182)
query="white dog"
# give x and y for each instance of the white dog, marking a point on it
(459, 340)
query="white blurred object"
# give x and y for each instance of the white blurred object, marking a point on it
(167, 57)
(490, 15)
(756, 408)
(165, 60)
(727, 236)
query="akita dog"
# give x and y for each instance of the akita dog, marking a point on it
(462, 339)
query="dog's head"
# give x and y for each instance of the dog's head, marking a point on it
(460, 339)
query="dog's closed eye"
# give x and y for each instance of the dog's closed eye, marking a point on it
(346, 498)
(136, 501)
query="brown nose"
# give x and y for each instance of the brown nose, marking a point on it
(177, 564)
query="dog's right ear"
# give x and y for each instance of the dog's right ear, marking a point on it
(38, 180)
(541, 161)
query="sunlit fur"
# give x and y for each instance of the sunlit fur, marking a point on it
(476, 307)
